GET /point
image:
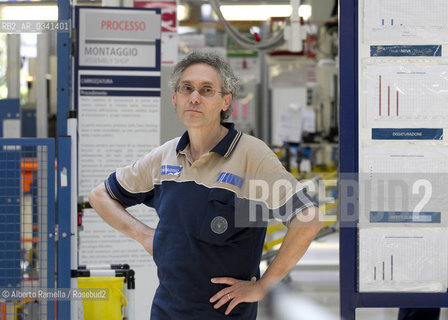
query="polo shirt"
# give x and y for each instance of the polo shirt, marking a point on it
(212, 213)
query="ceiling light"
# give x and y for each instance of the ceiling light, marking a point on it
(255, 12)
(305, 11)
(30, 12)
(206, 11)
(182, 12)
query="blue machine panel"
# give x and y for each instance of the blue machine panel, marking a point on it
(10, 218)
(28, 118)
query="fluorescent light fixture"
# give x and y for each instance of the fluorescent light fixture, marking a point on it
(305, 11)
(206, 11)
(255, 12)
(30, 12)
(182, 12)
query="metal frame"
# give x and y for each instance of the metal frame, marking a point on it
(113, 270)
(63, 221)
(64, 49)
(348, 152)
(49, 196)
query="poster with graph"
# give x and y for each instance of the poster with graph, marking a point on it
(403, 183)
(406, 96)
(403, 259)
(405, 22)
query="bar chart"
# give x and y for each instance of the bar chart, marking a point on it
(396, 104)
(405, 21)
(385, 22)
(397, 95)
(399, 258)
(379, 270)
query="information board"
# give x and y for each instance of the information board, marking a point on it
(117, 86)
(392, 205)
(402, 159)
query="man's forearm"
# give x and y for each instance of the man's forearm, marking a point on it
(295, 243)
(117, 217)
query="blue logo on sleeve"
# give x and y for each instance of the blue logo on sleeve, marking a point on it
(229, 178)
(170, 170)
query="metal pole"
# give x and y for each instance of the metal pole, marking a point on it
(64, 67)
(63, 220)
(13, 66)
(72, 129)
(130, 309)
(42, 67)
(264, 131)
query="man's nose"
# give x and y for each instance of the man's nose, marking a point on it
(195, 97)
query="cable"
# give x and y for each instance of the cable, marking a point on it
(270, 44)
(243, 41)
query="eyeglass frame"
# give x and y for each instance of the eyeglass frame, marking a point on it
(195, 89)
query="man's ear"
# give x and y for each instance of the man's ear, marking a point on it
(227, 101)
(173, 99)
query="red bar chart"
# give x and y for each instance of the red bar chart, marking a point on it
(396, 104)
(397, 95)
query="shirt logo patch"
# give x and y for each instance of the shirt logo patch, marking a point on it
(230, 178)
(219, 225)
(170, 170)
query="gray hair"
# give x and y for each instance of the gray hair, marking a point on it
(230, 82)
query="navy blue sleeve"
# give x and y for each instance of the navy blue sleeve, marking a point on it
(127, 199)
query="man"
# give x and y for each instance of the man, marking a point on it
(212, 190)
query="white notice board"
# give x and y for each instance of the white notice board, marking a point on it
(403, 145)
(117, 95)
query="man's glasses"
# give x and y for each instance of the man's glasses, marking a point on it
(206, 91)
